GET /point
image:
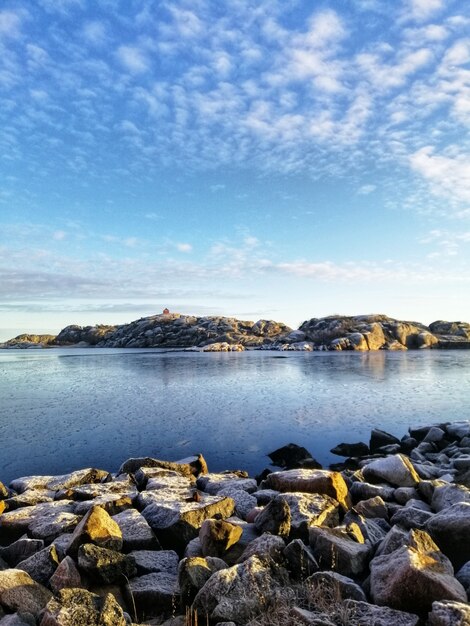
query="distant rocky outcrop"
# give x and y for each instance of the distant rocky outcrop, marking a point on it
(29, 341)
(376, 332)
(216, 333)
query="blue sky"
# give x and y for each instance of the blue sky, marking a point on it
(283, 159)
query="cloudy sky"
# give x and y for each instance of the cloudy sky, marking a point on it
(257, 158)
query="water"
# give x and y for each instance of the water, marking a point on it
(63, 409)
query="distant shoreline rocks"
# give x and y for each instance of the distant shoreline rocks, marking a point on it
(380, 538)
(215, 333)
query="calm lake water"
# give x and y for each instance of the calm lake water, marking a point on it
(63, 409)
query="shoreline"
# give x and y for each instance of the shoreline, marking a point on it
(176, 540)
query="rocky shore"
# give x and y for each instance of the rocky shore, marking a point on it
(176, 331)
(382, 537)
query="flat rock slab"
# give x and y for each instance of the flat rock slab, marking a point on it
(136, 533)
(310, 481)
(65, 481)
(362, 613)
(154, 593)
(213, 483)
(155, 561)
(19, 592)
(43, 521)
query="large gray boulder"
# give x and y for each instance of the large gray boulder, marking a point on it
(414, 576)
(19, 592)
(450, 529)
(340, 550)
(240, 592)
(396, 470)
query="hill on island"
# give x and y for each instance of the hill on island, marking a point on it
(216, 333)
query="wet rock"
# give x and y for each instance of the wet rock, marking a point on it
(362, 613)
(448, 613)
(291, 456)
(450, 529)
(105, 566)
(19, 592)
(275, 518)
(336, 549)
(20, 550)
(310, 481)
(77, 607)
(155, 593)
(96, 527)
(136, 533)
(414, 576)
(380, 438)
(300, 559)
(345, 588)
(152, 562)
(217, 536)
(193, 573)
(66, 575)
(239, 592)
(41, 565)
(396, 470)
(351, 449)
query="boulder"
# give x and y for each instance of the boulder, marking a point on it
(20, 550)
(66, 481)
(344, 588)
(300, 559)
(153, 562)
(450, 529)
(193, 573)
(176, 522)
(105, 566)
(41, 565)
(362, 614)
(96, 527)
(275, 518)
(265, 546)
(364, 491)
(444, 496)
(411, 517)
(186, 467)
(244, 502)
(379, 438)
(77, 607)
(217, 536)
(18, 619)
(66, 575)
(19, 592)
(213, 483)
(291, 456)
(136, 533)
(310, 510)
(310, 481)
(241, 591)
(396, 470)
(340, 550)
(351, 449)
(43, 521)
(463, 576)
(414, 576)
(154, 593)
(448, 613)
(373, 507)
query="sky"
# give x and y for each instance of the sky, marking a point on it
(281, 159)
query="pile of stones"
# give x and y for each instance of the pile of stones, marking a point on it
(381, 538)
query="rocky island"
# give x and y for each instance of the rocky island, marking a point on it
(214, 333)
(381, 538)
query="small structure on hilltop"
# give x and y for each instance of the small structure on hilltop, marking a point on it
(166, 311)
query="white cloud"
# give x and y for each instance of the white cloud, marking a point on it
(421, 10)
(365, 190)
(10, 24)
(95, 32)
(133, 59)
(59, 235)
(184, 247)
(448, 175)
